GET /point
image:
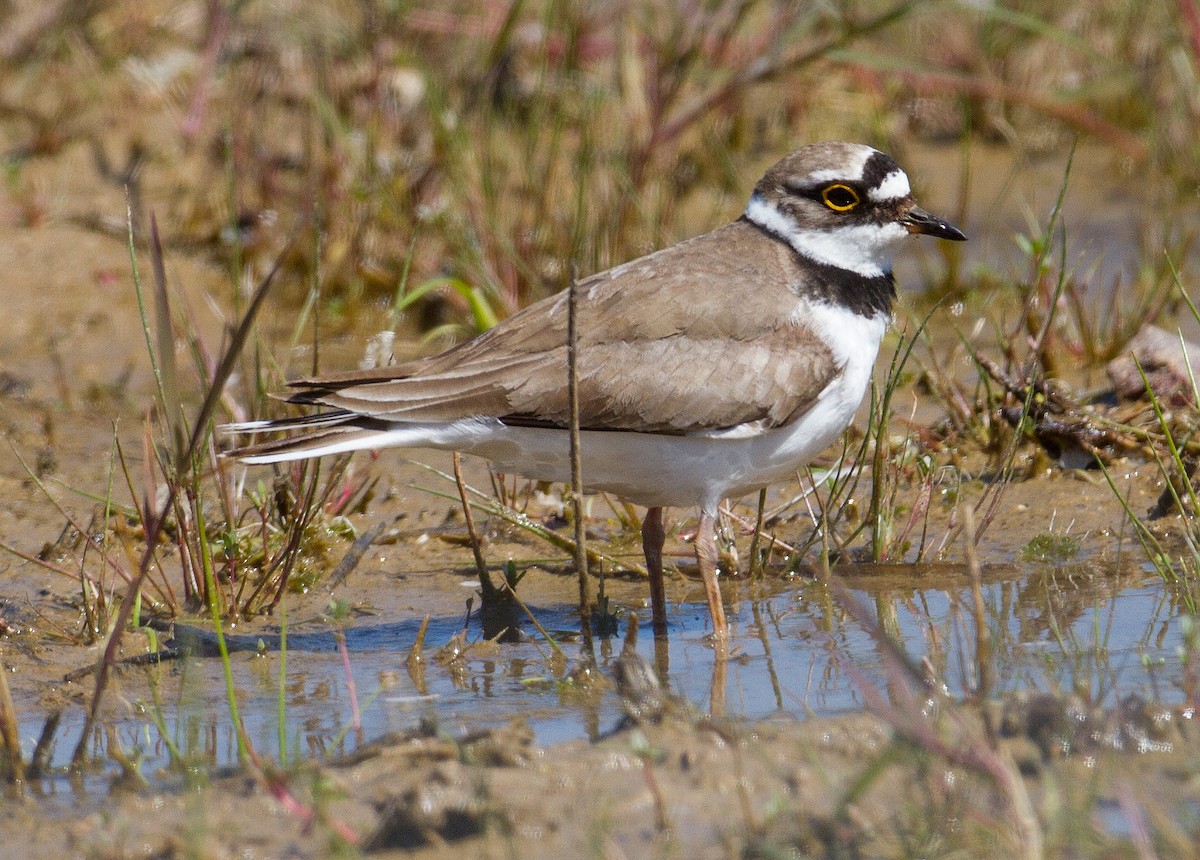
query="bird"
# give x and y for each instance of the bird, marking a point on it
(706, 370)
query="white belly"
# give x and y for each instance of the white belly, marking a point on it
(702, 468)
(682, 470)
(649, 469)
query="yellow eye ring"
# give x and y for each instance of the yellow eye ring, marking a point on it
(839, 197)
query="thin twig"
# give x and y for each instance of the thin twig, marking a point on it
(354, 555)
(512, 593)
(767, 536)
(351, 688)
(983, 640)
(581, 559)
(485, 579)
(415, 663)
(9, 732)
(758, 525)
(510, 515)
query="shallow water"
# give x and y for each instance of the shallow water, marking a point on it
(796, 652)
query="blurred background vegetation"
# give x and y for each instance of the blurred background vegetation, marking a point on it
(493, 146)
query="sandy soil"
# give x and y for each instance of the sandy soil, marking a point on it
(681, 785)
(920, 777)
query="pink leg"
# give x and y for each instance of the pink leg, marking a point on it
(706, 557)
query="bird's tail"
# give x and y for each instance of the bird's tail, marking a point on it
(307, 436)
(335, 432)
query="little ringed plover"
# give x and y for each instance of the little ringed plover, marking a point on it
(706, 370)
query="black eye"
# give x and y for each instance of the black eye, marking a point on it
(840, 198)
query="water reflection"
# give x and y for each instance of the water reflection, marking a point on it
(797, 650)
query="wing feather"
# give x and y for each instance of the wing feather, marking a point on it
(659, 351)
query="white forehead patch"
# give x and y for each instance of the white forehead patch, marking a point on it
(852, 169)
(893, 187)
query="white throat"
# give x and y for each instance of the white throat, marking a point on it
(865, 249)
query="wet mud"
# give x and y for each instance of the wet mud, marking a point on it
(814, 737)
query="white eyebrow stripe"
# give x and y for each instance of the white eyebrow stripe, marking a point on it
(856, 162)
(893, 187)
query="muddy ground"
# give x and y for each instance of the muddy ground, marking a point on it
(678, 789)
(923, 771)
(683, 783)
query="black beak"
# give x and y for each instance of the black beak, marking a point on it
(919, 221)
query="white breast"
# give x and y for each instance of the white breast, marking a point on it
(704, 467)
(854, 341)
